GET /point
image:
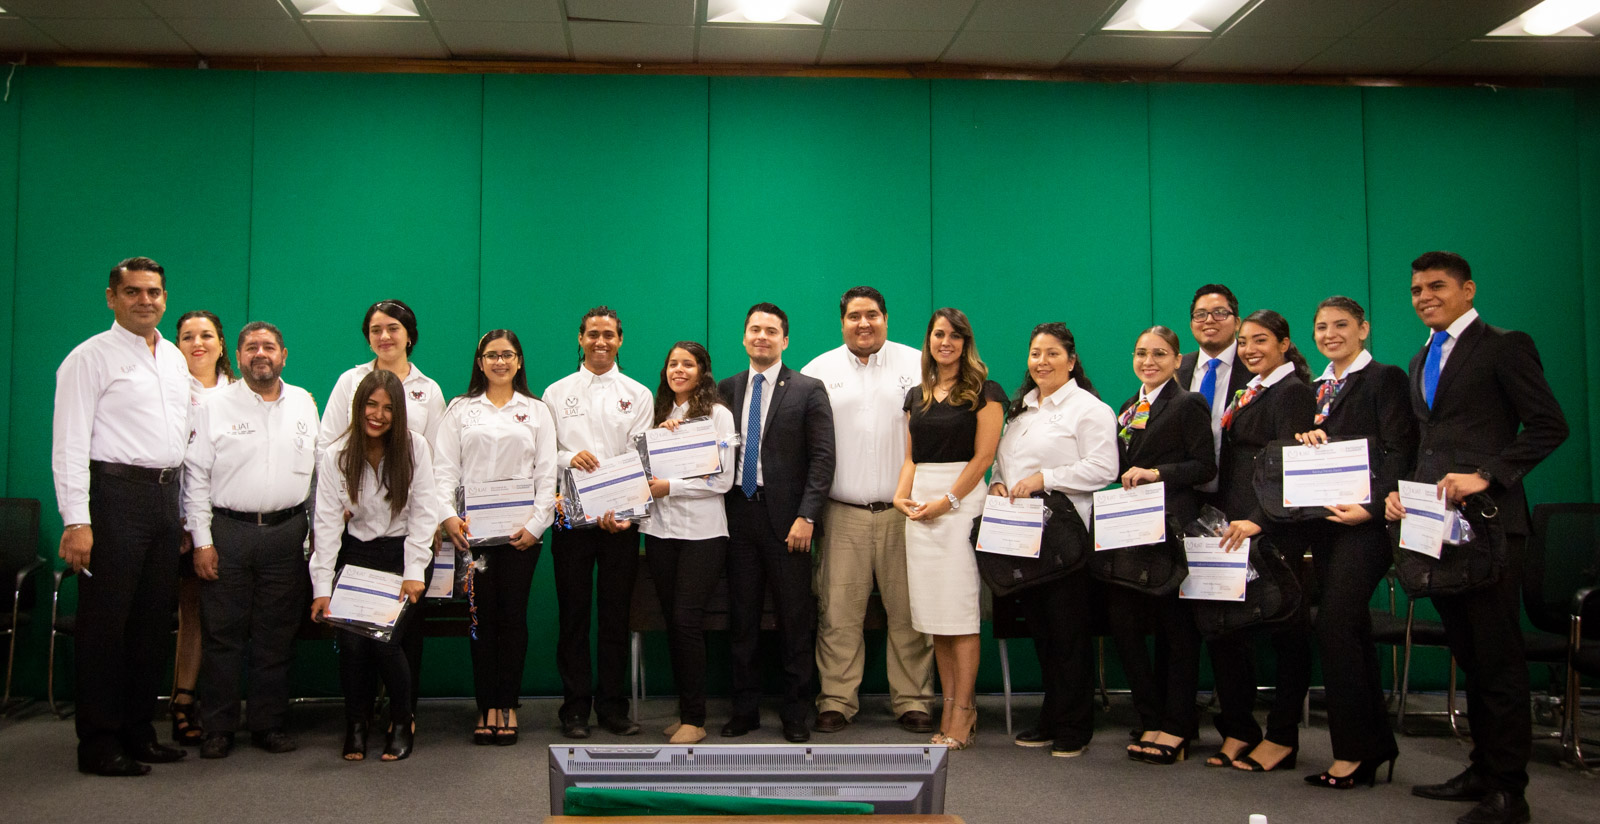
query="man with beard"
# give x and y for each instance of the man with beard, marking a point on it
(248, 475)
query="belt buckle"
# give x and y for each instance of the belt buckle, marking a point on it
(168, 475)
(261, 519)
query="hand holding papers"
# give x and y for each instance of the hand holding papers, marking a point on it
(690, 451)
(497, 509)
(1011, 527)
(1214, 575)
(366, 602)
(1130, 517)
(618, 485)
(1333, 473)
(1427, 518)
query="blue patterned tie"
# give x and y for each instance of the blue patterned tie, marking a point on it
(1208, 384)
(752, 440)
(1430, 367)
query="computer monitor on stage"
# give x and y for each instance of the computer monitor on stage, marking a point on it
(894, 778)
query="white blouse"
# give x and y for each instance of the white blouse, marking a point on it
(370, 517)
(477, 442)
(424, 403)
(692, 509)
(1070, 437)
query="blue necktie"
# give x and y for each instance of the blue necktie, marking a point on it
(1208, 384)
(752, 440)
(1430, 367)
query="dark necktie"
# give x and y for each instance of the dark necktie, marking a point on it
(1430, 367)
(752, 440)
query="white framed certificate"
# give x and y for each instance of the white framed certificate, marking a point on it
(692, 451)
(1011, 527)
(497, 509)
(366, 596)
(1130, 516)
(618, 485)
(1427, 518)
(1333, 473)
(1214, 575)
(443, 582)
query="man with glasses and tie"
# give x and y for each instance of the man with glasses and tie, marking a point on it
(1214, 370)
(1487, 418)
(785, 467)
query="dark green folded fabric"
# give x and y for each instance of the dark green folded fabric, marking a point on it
(592, 801)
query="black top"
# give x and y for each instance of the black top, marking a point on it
(943, 433)
(1280, 411)
(1176, 441)
(1376, 404)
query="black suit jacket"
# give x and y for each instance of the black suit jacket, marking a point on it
(1177, 442)
(1236, 378)
(1493, 410)
(1277, 414)
(1375, 404)
(797, 453)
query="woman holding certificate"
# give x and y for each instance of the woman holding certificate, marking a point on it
(1273, 406)
(377, 508)
(1357, 397)
(1163, 436)
(498, 431)
(955, 420)
(686, 535)
(1060, 437)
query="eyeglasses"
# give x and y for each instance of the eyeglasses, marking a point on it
(1215, 314)
(499, 356)
(1151, 353)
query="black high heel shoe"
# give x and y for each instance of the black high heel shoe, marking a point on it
(1165, 754)
(355, 740)
(398, 743)
(484, 733)
(1251, 765)
(186, 729)
(1364, 773)
(506, 734)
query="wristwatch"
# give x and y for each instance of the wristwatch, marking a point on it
(955, 503)
(1484, 474)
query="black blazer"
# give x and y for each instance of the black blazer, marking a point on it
(1177, 442)
(1493, 410)
(1236, 378)
(796, 445)
(1375, 404)
(1281, 410)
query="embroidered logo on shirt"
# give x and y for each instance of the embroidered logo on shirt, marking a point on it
(572, 410)
(241, 429)
(522, 417)
(905, 381)
(624, 405)
(301, 427)
(416, 394)
(128, 368)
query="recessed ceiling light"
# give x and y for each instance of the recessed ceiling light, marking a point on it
(767, 12)
(360, 6)
(1555, 18)
(1162, 16)
(356, 8)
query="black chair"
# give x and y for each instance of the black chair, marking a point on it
(1008, 621)
(19, 559)
(1562, 557)
(1403, 633)
(60, 626)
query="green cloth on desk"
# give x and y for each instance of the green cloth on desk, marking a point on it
(607, 802)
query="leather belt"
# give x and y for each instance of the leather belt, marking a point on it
(761, 494)
(139, 474)
(875, 507)
(260, 518)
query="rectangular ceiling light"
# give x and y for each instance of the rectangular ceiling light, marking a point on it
(1176, 16)
(1555, 18)
(767, 12)
(356, 8)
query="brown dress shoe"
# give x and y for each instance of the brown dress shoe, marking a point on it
(916, 721)
(831, 721)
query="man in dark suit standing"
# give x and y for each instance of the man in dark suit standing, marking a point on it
(1487, 418)
(785, 468)
(1214, 370)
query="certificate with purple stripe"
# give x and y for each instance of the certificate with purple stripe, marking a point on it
(1130, 517)
(1333, 473)
(1011, 527)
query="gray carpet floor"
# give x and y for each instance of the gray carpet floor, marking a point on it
(450, 780)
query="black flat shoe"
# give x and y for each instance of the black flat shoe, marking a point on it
(398, 743)
(118, 765)
(1252, 765)
(1365, 773)
(620, 726)
(574, 728)
(1033, 737)
(217, 745)
(154, 752)
(1498, 807)
(276, 742)
(1468, 786)
(737, 726)
(355, 740)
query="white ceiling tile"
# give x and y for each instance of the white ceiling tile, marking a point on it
(655, 12)
(81, 9)
(149, 36)
(216, 9)
(1505, 57)
(759, 44)
(1308, 18)
(524, 11)
(885, 46)
(262, 38)
(1443, 19)
(902, 15)
(1272, 55)
(1133, 51)
(376, 38)
(1038, 15)
(635, 42)
(545, 41)
(17, 35)
(1389, 55)
(1009, 48)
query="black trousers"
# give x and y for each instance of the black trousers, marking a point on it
(759, 560)
(599, 565)
(1350, 561)
(260, 595)
(1058, 615)
(1233, 666)
(1485, 634)
(1163, 688)
(685, 574)
(362, 660)
(499, 598)
(125, 612)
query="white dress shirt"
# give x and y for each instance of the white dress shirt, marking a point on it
(600, 414)
(118, 403)
(692, 509)
(869, 419)
(198, 391)
(1070, 437)
(478, 442)
(769, 382)
(1284, 370)
(1454, 330)
(249, 454)
(370, 517)
(1362, 359)
(424, 403)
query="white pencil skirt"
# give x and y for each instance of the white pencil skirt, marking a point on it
(941, 569)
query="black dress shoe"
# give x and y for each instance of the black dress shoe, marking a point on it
(795, 732)
(154, 752)
(620, 726)
(114, 765)
(1468, 786)
(831, 721)
(916, 721)
(355, 740)
(217, 745)
(1498, 807)
(276, 742)
(737, 726)
(574, 728)
(398, 743)
(1033, 737)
